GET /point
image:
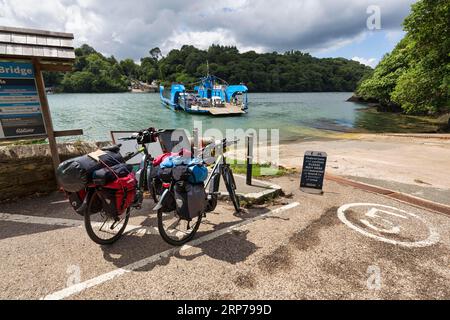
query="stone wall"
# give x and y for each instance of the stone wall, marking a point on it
(27, 169)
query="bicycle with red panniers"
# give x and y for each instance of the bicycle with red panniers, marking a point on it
(103, 188)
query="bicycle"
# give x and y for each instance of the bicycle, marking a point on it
(222, 168)
(177, 230)
(104, 229)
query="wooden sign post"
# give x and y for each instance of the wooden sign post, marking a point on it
(24, 108)
(46, 114)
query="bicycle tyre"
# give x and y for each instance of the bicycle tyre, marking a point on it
(90, 231)
(231, 188)
(171, 241)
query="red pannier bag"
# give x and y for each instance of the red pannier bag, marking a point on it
(119, 195)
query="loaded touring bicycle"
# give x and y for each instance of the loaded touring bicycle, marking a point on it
(104, 189)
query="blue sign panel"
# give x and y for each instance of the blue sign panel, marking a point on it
(22, 70)
(20, 108)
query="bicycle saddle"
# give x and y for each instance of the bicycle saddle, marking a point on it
(115, 148)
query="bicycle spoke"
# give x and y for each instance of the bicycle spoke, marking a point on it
(175, 223)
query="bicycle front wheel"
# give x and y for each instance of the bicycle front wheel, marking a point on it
(231, 188)
(102, 228)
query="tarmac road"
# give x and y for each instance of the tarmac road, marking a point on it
(300, 247)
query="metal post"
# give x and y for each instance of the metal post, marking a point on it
(249, 143)
(196, 141)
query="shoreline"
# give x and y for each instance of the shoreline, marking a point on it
(373, 105)
(400, 158)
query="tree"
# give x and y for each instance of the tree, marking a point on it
(292, 71)
(155, 53)
(416, 75)
(129, 68)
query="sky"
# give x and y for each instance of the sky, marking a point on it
(362, 30)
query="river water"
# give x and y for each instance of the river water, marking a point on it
(297, 115)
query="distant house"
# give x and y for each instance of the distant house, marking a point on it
(139, 86)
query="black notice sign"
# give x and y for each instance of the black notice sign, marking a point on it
(313, 173)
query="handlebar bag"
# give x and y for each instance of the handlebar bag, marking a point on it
(118, 195)
(190, 200)
(74, 174)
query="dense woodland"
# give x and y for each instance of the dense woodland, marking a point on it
(415, 76)
(292, 71)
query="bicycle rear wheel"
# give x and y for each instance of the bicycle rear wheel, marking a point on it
(231, 187)
(102, 228)
(175, 230)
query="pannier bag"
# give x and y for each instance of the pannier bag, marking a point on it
(79, 202)
(168, 203)
(183, 169)
(198, 174)
(165, 174)
(107, 175)
(76, 199)
(195, 174)
(74, 174)
(118, 195)
(190, 200)
(181, 173)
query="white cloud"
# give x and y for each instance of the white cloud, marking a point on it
(130, 29)
(203, 39)
(371, 62)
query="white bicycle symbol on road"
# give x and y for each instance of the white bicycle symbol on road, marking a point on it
(376, 219)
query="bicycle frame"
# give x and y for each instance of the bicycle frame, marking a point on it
(216, 169)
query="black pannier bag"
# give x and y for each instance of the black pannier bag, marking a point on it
(168, 203)
(107, 175)
(74, 174)
(79, 202)
(181, 173)
(190, 200)
(165, 174)
(76, 199)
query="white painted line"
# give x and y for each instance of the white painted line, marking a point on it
(77, 288)
(59, 202)
(40, 220)
(72, 223)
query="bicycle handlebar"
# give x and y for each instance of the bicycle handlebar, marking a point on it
(144, 136)
(224, 143)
